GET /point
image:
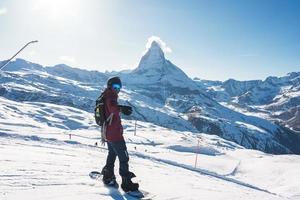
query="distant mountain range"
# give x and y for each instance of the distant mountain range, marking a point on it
(276, 98)
(257, 114)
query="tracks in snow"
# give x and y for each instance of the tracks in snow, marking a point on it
(206, 173)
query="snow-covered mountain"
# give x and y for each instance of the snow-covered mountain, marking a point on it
(276, 98)
(160, 93)
(157, 77)
(155, 69)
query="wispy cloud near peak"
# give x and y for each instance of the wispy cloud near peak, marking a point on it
(162, 44)
(3, 11)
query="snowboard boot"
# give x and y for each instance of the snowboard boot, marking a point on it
(127, 185)
(109, 177)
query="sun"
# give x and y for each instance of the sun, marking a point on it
(57, 9)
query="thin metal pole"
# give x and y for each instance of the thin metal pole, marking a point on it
(17, 53)
(135, 128)
(197, 152)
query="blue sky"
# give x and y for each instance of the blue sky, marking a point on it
(210, 39)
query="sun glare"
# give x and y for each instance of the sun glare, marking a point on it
(57, 9)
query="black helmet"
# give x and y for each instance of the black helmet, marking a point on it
(114, 80)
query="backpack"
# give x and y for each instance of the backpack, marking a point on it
(100, 111)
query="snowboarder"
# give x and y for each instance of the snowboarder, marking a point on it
(112, 134)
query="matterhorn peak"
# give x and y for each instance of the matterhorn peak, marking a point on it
(154, 57)
(155, 69)
(155, 46)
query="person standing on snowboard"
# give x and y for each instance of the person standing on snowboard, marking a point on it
(112, 133)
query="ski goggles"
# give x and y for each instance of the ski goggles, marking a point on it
(116, 86)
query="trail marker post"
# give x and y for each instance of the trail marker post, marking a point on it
(135, 128)
(197, 152)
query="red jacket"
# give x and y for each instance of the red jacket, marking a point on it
(114, 130)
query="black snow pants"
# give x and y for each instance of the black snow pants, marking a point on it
(118, 149)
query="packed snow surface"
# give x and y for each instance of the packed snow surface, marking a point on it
(47, 152)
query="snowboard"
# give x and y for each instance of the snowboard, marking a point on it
(97, 176)
(139, 194)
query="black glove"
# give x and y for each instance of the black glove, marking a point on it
(126, 110)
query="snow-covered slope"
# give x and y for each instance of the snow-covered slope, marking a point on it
(47, 151)
(41, 86)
